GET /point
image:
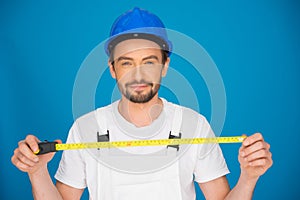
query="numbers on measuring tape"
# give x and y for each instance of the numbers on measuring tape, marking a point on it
(46, 147)
(135, 143)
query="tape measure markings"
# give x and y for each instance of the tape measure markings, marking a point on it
(159, 142)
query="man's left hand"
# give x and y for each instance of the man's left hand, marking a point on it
(254, 156)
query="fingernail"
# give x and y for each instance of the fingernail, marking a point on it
(36, 151)
(36, 159)
(246, 142)
(242, 153)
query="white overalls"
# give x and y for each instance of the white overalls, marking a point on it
(162, 184)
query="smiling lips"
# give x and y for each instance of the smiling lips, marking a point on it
(139, 87)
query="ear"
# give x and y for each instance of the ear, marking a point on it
(165, 67)
(111, 69)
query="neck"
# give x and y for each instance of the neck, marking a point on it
(141, 114)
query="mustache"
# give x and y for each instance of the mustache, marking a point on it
(138, 82)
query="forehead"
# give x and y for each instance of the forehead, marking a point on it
(136, 47)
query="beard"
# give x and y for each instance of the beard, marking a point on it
(139, 96)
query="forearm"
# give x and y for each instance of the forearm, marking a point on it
(42, 185)
(243, 189)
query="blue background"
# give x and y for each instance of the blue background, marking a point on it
(255, 44)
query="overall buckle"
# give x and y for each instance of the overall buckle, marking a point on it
(174, 137)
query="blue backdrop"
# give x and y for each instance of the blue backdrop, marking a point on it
(255, 44)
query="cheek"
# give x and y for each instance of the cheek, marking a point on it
(153, 72)
(155, 76)
(156, 79)
(123, 77)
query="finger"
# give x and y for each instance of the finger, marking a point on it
(252, 139)
(243, 162)
(263, 162)
(253, 148)
(23, 158)
(32, 142)
(23, 167)
(19, 164)
(58, 141)
(27, 152)
(258, 155)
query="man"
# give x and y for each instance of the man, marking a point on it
(138, 58)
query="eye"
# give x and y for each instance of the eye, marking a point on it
(126, 64)
(149, 63)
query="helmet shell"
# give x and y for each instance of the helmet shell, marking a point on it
(138, 24)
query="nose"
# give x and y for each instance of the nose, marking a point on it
(138, 73)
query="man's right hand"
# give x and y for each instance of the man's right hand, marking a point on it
(25, 159)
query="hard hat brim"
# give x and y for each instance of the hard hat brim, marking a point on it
(157, 35)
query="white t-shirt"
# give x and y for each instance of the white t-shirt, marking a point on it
(200, 163)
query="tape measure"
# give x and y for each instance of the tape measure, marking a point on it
(46, 147)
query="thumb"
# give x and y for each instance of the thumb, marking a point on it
(58, 141)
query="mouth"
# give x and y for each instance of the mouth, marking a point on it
(138, 87)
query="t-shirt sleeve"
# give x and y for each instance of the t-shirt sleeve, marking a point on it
(71, 170)
(210, 162)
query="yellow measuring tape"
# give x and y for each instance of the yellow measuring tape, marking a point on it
(46, 147)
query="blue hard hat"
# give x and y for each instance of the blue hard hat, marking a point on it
(138, 24)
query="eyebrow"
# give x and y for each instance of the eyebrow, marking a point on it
(151, 57)
(146, 58)
(124, 58)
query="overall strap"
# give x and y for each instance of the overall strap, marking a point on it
(175, 129)
(103, 132)
(102, 172)
(177, 120)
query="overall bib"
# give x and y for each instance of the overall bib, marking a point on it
(162, 184)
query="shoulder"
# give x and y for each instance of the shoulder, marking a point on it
(93, 115)
(93, 121)
(187, 113)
